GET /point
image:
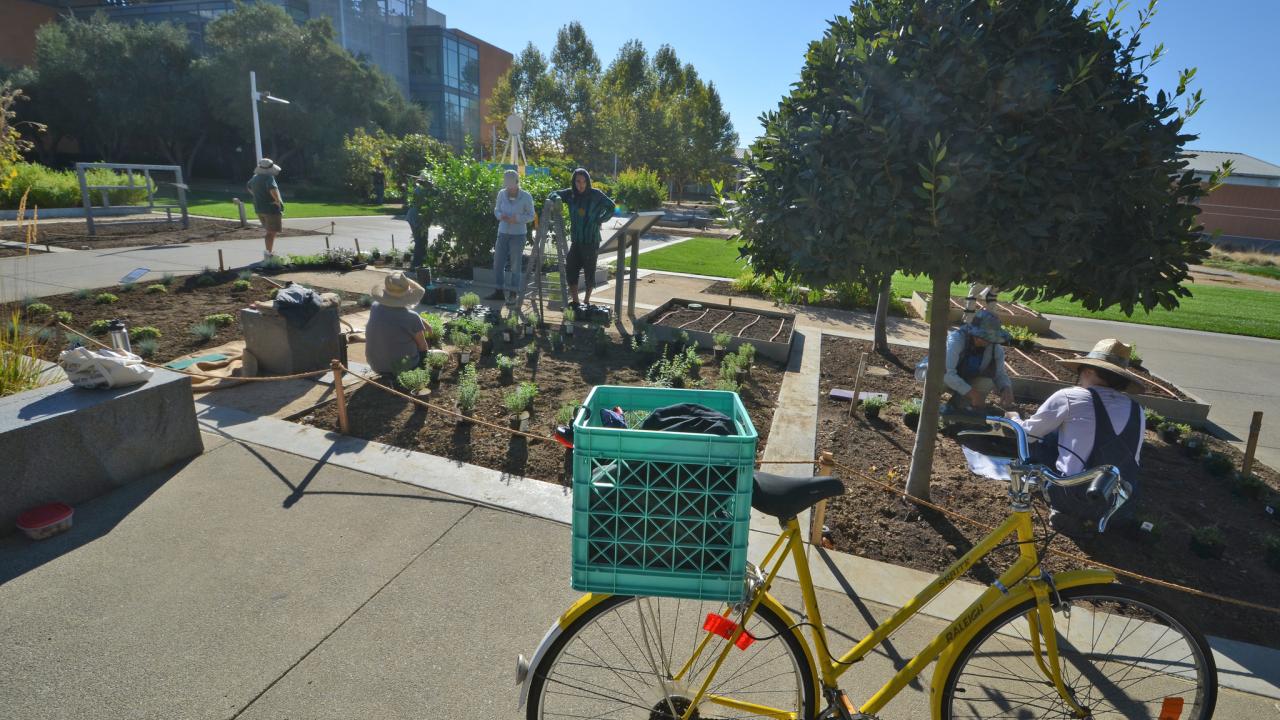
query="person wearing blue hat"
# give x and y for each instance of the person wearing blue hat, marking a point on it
(975, 364)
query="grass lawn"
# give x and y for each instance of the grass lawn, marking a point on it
(1267, 271)
(215, 201)
(1211, 308)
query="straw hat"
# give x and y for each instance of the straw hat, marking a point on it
(266, 167)
(1113, 355)
(398, 291)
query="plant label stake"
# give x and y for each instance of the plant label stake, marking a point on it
(857, 382)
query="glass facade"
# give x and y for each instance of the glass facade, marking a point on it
(444, 76)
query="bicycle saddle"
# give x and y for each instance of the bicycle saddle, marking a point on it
(785, 497)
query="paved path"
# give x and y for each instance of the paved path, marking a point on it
(252, 583)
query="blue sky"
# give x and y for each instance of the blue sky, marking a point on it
(753, 51)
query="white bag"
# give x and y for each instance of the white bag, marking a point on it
(87, 368)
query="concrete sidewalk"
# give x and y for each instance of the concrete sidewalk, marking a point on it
(258, 584)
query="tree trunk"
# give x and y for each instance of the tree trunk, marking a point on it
(927, 431)
(882, 313)
(190, 164)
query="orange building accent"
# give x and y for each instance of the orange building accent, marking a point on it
(494, 62)
(19, 20)
(1246, 211)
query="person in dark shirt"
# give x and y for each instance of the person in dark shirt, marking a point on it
(588, 208)
(267, 202)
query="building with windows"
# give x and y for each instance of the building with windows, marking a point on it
(447, 71)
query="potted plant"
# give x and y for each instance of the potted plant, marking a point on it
(375, 256)
(564, 416)
(1249, 486)
(1193, 445)
(510, 327)
(556, 340)
(468, 301)
(506, 368)
(1208, 542)
(436, 360)
(911, 413)
(602, 342)
(531, 353)
(518, 402)
(730, 370)
(567, 317)
(461, 340)
(1170, 431)
(746, 357)
(721, 340)
(692, 362)
(468, 393)
(872, 406)
(488, 339)
(435, 328)
(533, 321)
(415, 382)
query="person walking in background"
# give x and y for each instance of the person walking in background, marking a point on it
(514, 210)
(418, 215)
(588, 208)
(267, 202)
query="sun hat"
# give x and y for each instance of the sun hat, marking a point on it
(266, 167)
(1112, 355)
(511, 178)
(398, 291)
(986, 326)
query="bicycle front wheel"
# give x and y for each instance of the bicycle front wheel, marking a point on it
(646, 657)
(1123, 654)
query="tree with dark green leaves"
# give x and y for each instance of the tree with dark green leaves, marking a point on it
(528, 90)
(575, 69)
(1013, 142)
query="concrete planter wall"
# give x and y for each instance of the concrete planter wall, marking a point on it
(484, 276)
(1185, 411)
(779, 350)
(1009, 313)
(76, 212)
(62, 443)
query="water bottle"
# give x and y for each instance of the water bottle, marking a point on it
(119, 335)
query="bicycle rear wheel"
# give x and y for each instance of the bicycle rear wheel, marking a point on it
(1124, 654)
(619, 659)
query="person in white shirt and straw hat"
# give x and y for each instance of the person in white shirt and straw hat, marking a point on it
(395, 336)
(1090, 424)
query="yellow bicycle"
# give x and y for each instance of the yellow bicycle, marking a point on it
(1033, 645)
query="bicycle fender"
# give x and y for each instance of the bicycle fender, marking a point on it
(1019, 593)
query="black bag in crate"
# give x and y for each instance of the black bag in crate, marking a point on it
(689, 418)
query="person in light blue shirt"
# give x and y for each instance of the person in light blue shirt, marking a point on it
(514, 210)
(975, 363)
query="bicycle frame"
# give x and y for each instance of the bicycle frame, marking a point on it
(1021, 581)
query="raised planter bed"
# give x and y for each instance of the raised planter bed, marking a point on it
(1009, 313)
(63, 444)
(484, 276)
(771, 332)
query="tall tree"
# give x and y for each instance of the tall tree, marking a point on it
(1008, 141)
(576, 70)
(529, 90)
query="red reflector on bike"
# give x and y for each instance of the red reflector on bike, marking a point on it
(724, 627)
(1171, 709)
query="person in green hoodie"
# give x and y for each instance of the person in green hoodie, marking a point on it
(588, 208)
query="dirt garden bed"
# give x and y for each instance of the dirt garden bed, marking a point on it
(113, 234)
(1037, 362)
(1179, 495)
(563, 377)
(743, 323)
(185, 302)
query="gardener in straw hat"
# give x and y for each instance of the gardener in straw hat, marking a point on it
(1090, 424)
(267, 202)
(395, 336)
(975, 364)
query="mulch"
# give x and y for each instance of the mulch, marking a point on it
(115, 234)
(1178, 495)
(739, 323)
(564, 377)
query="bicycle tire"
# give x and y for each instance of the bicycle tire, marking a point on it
(617, 685)
(1148, 645)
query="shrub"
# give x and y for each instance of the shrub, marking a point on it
(568, 315)
(365, 301)
(1021, 336)
(749, 283)
(873, 404)
(241, 285)
(244, 275)
(63, 317)
(82, 294)
(460, 339)
(727, 385)
(105, 298)
(38, 310)
(204, 331)
(722, 339)
(435, 325)
(1271, 551)
(206, 279)
(1217, 464)
(564, 416)
(49, 188)
(1250, 487)
(520, 399)
(639, 189)
(99, 327)
(220, 319)
(469, 300)
(146, 347)
(414, 380)
(746, 354)
(19, 368)
(436, 361)
(468, 389)
(853, 296)
(145, 332)
(156, 289)
(127, 287)
(1154, 419)
(504, 362)
(1210, 539)
(911, 407)
(166, 279)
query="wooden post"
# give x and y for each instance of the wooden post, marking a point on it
(340, 394)
(819, 518)
(331, 227)
(393, 244)
(221, 267)
(357, 249)
(1255, 427)
(326, 242)
(857, 382)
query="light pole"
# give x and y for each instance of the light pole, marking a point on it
(256, 97)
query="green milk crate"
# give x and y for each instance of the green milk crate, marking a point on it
(661, 513)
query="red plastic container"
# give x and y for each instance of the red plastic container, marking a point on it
(46, 521)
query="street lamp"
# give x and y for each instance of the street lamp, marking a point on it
(256, 97)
